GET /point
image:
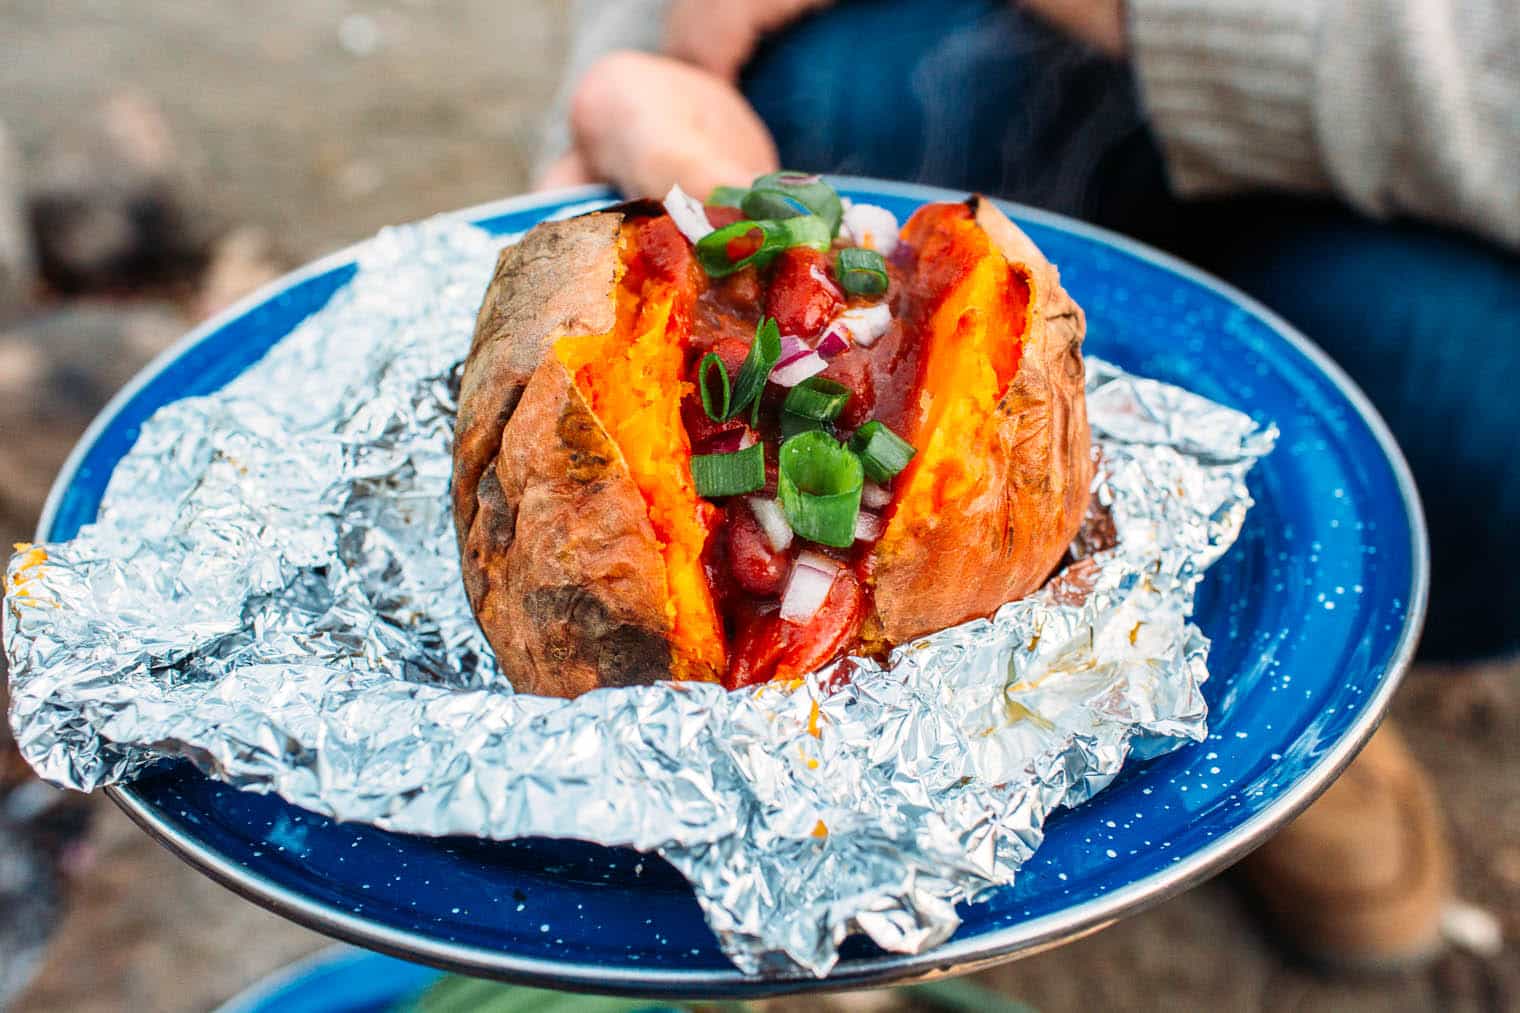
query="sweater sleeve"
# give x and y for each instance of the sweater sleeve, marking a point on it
(597, 27)
(1401, 107)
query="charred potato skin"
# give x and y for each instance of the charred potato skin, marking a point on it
(1001, 543)
(561, 565)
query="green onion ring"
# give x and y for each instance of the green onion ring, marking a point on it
(882, 452)
(712, 249)
(720, 412)
(808, 230)
(788, 194)
(733, 474)
(792, 424)
(726, 196)
(764, 351)
(819, 484)
(817, 398)
(861, 272)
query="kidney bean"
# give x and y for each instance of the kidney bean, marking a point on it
(801, 297)
(769, 647)
(754, 564)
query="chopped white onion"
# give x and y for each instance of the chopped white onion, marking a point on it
(864, 324)
(792, 349)
(688, 214)
(875, 496)
(807, 587)
(772, 521)
(800, 368)
(870, 226)
(867, 527)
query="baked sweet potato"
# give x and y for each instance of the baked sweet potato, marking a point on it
(1004, 465)
(591, 559)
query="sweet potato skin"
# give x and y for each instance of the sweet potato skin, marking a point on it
(1002, 541)
(527, 307)
(581, 602)
(560, 562)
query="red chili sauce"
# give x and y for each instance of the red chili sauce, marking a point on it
(747, 575)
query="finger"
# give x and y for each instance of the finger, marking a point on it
(569, 169)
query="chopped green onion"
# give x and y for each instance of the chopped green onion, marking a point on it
(816, 398)
(773, 237)
(818, 484)
(808, 230)
(861, 272)
(712, 249)
(788, 194)
(726, 196)
(882, 452)
(732, 474)
(717, 412)
(792, 424)
(763, 353)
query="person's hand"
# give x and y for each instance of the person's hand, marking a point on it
(643, 122)
(720, 35)
(567, 170)
(1099, 23)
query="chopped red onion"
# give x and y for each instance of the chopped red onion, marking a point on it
(867, 527)
(833, 343)
(812, 576)
(688, 214)
(875, 496)
(792, 349)
(772, 521)
(799, 369)
(865, 324)
(870, 226)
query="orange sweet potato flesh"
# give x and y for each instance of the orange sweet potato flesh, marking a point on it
(1002, 476)
(581, 535)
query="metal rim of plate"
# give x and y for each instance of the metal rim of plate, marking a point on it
(957, 956)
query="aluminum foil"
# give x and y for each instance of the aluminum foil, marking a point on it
(271, 592)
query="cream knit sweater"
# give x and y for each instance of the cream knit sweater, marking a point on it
(1399, 107)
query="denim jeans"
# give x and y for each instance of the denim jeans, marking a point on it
(974, 95)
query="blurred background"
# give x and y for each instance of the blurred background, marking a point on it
(158, 162)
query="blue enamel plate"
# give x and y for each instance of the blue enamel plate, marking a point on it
(1313, 616)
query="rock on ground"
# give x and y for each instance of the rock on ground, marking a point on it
(113, 203)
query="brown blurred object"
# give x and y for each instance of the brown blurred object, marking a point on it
(114, 206)
(1362, 877)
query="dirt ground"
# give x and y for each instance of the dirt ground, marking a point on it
(310, 125)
